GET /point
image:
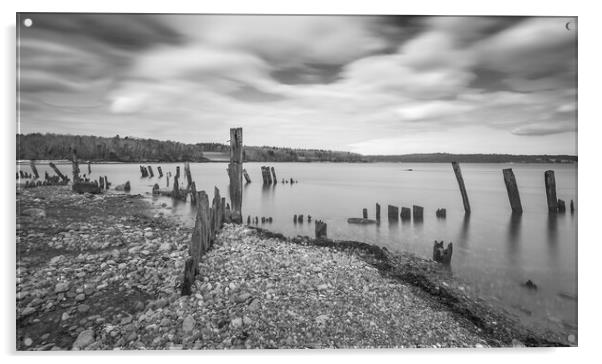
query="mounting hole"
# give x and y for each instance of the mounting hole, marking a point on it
(28, 22)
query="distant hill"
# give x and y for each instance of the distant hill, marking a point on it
(128, 149)
(471, 158)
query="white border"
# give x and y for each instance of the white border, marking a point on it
(589, 164)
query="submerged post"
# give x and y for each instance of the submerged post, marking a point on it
(393, 212)
(160, 171)
(418, 212)
(150, 171)
(458, 174)
(551, 191)
(274, 175)
(235, 174)
(75, 167)
(188, 175)
(246, 175)
(320, 229)
(512, 189)
(377, 212)
(89, 168)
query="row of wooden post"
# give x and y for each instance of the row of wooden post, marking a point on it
(554, 204)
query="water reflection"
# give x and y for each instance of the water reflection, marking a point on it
(463, 236)
(552, 235)
(513, 237)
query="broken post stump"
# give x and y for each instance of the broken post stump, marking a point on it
(441, 213)
(300, 219)
(150, 171)
(512, 189)
(89, 168)
(75, 168)
(418, 212)
(235, 173)
(320, 229)
(572, 207)
(188, 175)
(246, 175)
(442, 255)
(167, 179)
(406, 213)
(561, 206)
(365, 213)
(192, 191)
(178, 172)
(393, 212)
(189, 276)
(377, 212)
(550, 182)
(107, 184)
(460, 179)
(274, 175)
(101, 183)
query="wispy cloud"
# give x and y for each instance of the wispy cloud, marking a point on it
(368, 84)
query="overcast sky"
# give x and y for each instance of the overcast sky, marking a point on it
(372, 85)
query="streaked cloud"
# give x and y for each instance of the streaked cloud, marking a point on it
(366, 84)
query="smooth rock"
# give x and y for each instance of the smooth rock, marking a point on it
(84, 339)
(188, 324)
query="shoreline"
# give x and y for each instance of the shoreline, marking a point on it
(78, 232)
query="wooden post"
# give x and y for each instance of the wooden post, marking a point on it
(550, 181)
(89, 168)
(406, 213)
(160, 171)
(192, 191)
(127, 186)
(274, 175)
(58, 173)
(217, 204)
(393, 212)
(167, 180)
(235, 172)
(320, 229)
(418, 212)
(189, 276)
(32, 164)
(150, 171)
(512, 189)
(561, 206)
(200, 234)
(75, 168)
(572, 207)
(223, 208)
(246, 175)
(377, 212)
(188, 174)
(365, 213)
(107, 184)
(178, 172)
(268, 175)
(101, 183)
(460, 179)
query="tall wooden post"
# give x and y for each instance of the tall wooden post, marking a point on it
(274, 175)
(458, 173)
(377, 212)
(417, 212)
(150, 171)
(75, 167)
(512, 189)
(160, 171)
(393, 212)
(188, 174)
(365, 213)
(89, 168)
(235, 172)
(551, 191)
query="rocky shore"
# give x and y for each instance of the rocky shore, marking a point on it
(102, 272)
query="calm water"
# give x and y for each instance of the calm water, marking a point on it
(493, 251)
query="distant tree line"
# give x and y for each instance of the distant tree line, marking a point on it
(128, 149)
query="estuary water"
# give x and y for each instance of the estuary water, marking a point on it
(494, 252)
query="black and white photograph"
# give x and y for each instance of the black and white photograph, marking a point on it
(197, 181)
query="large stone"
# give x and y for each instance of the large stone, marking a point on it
(165, 247)
(236, 323)
(84, 339)
(33, 212)
(61, 287)
(188, 324)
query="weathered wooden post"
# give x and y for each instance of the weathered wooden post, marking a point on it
(75, 168)
(101, 183)
(561, 206)
(193, 194)
(393, 212)
(268, 175)
(217, 206)
(89, 168)
(178, 172)
(320, 229)
(32, 164)
(167, 179)
(246, 175)
(160, 171)
(274, 175)
(300, 219)
(460, 179)
(188, 174)
(107, 184)
(365, 213)
(377, 212)
(550, 181)
(572, 207)
(406, 213)
(235, 172)
(150, 171)
(58, 172)
(199, 242)
(512, 189)
(418, 212)
(127, 186)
